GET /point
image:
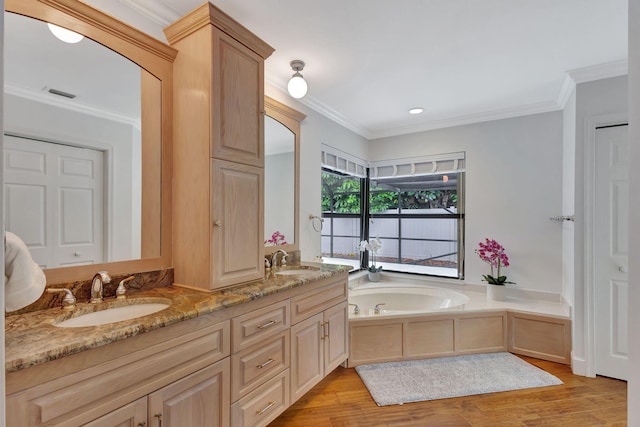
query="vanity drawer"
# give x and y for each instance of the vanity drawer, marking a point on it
(313, 302)
(256, 364)
(264, 404)
(251, 328)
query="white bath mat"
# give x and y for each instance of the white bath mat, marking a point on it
(395, 383)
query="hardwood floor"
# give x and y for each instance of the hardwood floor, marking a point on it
(342, 400)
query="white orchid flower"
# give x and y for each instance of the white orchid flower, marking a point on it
(375, 245)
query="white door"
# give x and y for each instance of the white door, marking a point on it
(54, 200)
(611, 258)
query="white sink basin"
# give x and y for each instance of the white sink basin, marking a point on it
(297, 272)
(112, 315)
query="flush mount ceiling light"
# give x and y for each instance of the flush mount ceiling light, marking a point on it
(297, 87)
(416, 110)
(65, 35)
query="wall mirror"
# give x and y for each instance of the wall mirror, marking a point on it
(282, 176)
(87, 141)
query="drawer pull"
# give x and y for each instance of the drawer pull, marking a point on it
(268, 324)
(142, 424)
(159, 417)
(268, 362)
(266, 408)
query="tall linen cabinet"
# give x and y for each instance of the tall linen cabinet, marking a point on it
(218, 151)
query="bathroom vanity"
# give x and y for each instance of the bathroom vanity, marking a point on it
(236, 357)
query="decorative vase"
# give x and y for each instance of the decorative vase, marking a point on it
(496, 292)
(374, 276)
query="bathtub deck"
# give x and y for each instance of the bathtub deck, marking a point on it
(519, 325)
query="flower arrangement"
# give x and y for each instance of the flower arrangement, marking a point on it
(373, 246)
(277, 238)
(493, 253)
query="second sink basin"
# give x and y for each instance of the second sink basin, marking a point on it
(297, 271)
(113, 314)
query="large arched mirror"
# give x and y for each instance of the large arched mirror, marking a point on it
(87, 141)
(282, 176)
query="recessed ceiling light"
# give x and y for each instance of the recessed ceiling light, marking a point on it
(416, 110)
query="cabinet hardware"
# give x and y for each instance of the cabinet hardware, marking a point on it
(142, 424)
(268, 362)
(327, 330)
(159, 417)
(269, 323)
(266, 408)
(218, 223)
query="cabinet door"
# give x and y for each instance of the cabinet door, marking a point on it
(132, 415)
(200, 399)
(307, 364)
(336, 336)
(238, 102)
(237, 237)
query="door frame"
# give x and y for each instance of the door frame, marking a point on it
(589, 208)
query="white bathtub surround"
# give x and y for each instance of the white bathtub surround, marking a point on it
(517, 298)
(496, 292)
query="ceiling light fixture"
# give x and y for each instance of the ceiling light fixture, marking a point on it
(416, 110)
(297, 87)
(65, 35)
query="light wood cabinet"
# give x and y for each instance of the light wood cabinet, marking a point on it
(132, 415)
(200, 399)
(318, 345)
(218, 150)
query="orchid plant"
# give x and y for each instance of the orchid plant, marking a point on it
(493, 253)
(277, 238)
(373, 246)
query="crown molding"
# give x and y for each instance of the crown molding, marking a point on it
(75, 106)
(486, 116)
(328, 112)
(600, 71)
(156, 11)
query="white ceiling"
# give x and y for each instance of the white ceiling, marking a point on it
(369, 61)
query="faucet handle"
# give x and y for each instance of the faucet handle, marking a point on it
(356, 309)
(122, 291)
(68, 301)
(376, 309)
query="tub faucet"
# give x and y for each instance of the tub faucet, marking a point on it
(356, 309)
(97, 286)
(283, 259)
(376, 309)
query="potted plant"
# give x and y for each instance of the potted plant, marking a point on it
(493, 253)
(373, 246)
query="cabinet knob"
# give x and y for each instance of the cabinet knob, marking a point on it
(218, 223)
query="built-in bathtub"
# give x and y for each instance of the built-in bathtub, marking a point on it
(421, 319)
(402, 298)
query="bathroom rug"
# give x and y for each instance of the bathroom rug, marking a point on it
(393, 383)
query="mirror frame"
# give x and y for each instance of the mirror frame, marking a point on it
(291, 119)
(157, 59)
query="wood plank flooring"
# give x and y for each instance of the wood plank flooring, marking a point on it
(341, 400)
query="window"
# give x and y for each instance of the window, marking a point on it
(414, 206)
(419, 223)
(342, 213)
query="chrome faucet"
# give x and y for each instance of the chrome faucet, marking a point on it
(97, 286)
(283, 259)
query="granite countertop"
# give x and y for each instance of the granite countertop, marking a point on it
(32, 338)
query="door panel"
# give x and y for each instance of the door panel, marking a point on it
(611, 251)
(54, 200)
